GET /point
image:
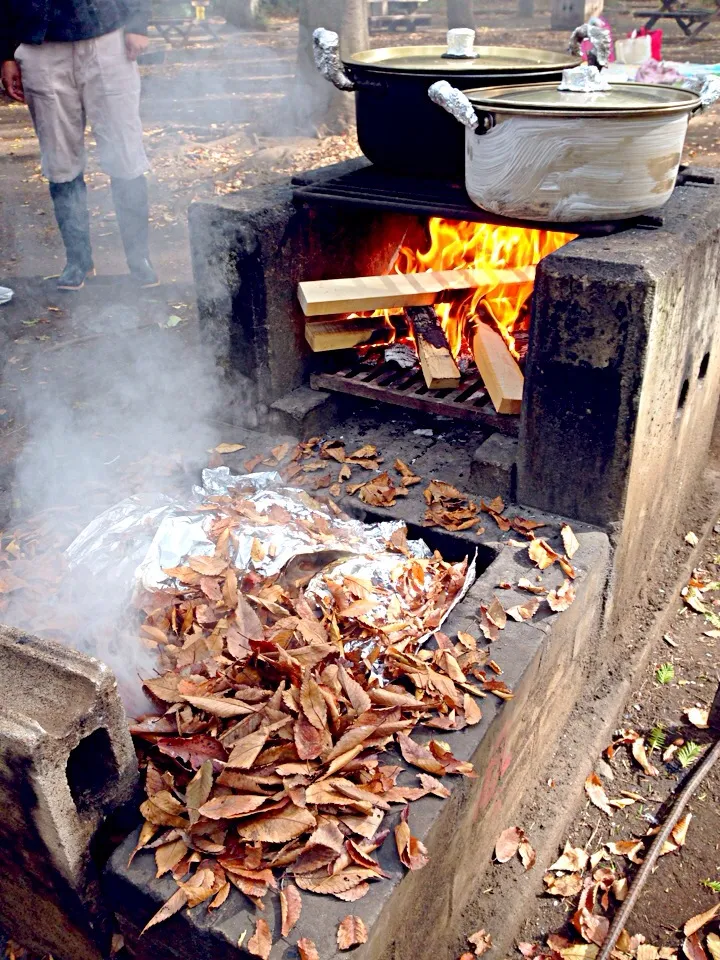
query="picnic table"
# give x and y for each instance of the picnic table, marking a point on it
(396, 14)
(692, 21)
(173, 23)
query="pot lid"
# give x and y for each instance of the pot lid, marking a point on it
(624, 99)
(430, 59)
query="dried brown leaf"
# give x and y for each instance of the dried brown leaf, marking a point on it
(231, 806)
(570, 541)
(313, 702)
(700, 920)
(290, 907)
(307, 949)
(542, 554)
(566, 885)
(482, 942)
(246, 751)
(260, 943)
(559, 600)
(596, 793)
(693, 948)
(176, 902)
(506, 845)
(573, 859)
(351, 932)
(278, 826)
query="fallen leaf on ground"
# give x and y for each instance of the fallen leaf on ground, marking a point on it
(542, 554)
(482, 942)
(307, 949)
(698, 717)
(527, 854)
(351, 932)
(566, 885)
(627, 848)
(260, 943)
(713, 945)
(596, 793)
(525, 584)
(229, 448)
(693, 949)
(573, 859)
(640, 754)
(507, 844)
(700, 920)
(290, 907)
(412, 852)
(525, 611)
(559, 600)
(570, 541)
(176, 902)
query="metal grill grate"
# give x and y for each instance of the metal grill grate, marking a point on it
(387, 383)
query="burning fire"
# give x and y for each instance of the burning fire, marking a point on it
(461, 244)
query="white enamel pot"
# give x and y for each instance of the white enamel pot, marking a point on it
(571, 156)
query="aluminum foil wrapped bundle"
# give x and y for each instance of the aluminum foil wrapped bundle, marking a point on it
(402, 597)
(141, 538)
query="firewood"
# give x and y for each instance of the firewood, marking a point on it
(357, 294)
(439, 369)
(501, 375)
(341, 334)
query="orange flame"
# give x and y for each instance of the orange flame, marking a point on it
(461, 244)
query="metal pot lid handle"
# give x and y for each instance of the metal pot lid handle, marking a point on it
(326, 53)
(455, 102)
(599, 37)
(460, 43)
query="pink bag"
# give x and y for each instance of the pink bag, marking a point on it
(655, 41)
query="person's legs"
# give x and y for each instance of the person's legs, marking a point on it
(111, 94)
(59, 119)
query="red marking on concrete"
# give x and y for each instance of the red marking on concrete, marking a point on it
(498, 765)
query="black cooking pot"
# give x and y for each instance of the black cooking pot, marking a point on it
(398, 126)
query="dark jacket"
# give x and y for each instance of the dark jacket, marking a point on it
(27, 21)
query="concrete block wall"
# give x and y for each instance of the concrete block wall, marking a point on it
(66, 761)
(623, 378)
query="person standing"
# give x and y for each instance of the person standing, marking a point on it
(72, 62)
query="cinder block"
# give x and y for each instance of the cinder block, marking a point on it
(66, 762)
(493, 467)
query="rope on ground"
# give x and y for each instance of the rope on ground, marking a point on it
(644, 872)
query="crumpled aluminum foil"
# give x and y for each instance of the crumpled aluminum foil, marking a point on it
(140, 538)
(600, 40)
(584, 79)
(326, 53)
(460, 42)
(378, 570)
(454, 101)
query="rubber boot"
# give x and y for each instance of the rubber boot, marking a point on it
(71, 212)
(131, 205)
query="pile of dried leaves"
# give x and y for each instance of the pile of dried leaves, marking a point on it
(266, 763)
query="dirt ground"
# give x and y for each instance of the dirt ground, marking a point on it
(210, 120)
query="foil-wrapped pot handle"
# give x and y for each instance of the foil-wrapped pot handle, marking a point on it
(455, 102)
(326, 53)
(460, 43)
(709, 93)
(599, 37)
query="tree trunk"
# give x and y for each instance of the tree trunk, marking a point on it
(460, 14)
(317, 105)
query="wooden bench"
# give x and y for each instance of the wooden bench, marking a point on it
(691, 21)
(396, 15)
(174, 28)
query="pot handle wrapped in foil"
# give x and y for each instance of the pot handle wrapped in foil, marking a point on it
(599, 37)
(326, 53)
(455, 102)
(709, 93)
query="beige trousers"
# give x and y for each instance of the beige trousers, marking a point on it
(72, 83)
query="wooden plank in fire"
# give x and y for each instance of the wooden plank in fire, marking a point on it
(358, 294)
(341, 334)
(439, 369)
(501, 375)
